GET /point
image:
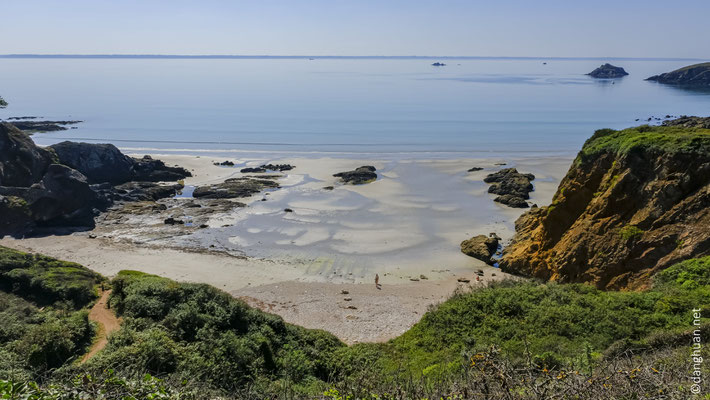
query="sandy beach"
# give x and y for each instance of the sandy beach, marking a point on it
(315, 266)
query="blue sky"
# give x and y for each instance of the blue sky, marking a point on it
(571, 28)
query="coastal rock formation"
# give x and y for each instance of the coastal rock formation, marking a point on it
(512, 187)
(692, 75)
(481, 247)
(21, 162)
(608, 71)
(358, 176)
(62, 196)
(48, 187)
(634, 202)
(234, 188)
(105, 163)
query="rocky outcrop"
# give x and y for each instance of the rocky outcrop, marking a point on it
(39, 189)
(512, 187)
(21, 162)
(234, 188)
(62, 196)
(358, 176)
(105, 163)
(692, 75)
(633, 202)
(481, 247)
(608, 71)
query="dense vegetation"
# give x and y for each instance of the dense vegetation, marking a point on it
(670, 139)
(45, 280)
(555, 326)
(196, 332)
(512, 340)
(44, 323)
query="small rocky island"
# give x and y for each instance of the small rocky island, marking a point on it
(693, 75)
(438, 64)
(608, 71)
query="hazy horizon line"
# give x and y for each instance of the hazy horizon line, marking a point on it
(393, 57)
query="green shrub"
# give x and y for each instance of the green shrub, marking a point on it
(630, 232)
(46, 280)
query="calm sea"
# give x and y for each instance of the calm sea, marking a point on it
(367, 106)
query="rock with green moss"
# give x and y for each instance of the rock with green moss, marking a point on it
(633, 202)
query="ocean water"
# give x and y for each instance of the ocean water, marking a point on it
(403, 107)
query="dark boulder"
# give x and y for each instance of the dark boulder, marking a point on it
(150, 170)
(481, 247)
(608, 71)
(512, 187)
(98, 162)
(63, 196)
(511, 200)
(358, 176)
(105, 163)
(22, 163)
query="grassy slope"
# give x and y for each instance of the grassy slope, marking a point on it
(666, 139)
(197, 334)
(558, 324)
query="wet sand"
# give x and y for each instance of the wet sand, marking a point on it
(406, 224)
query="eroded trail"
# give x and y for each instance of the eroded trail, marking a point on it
(107, 321)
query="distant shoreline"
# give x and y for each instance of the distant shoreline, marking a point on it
(326, 57)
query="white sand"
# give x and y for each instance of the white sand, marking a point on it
(407, 223)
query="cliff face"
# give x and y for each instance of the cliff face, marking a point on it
(633, 202)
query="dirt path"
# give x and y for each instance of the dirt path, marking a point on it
(107, 324)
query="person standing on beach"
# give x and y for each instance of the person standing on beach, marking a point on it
(377, 281)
